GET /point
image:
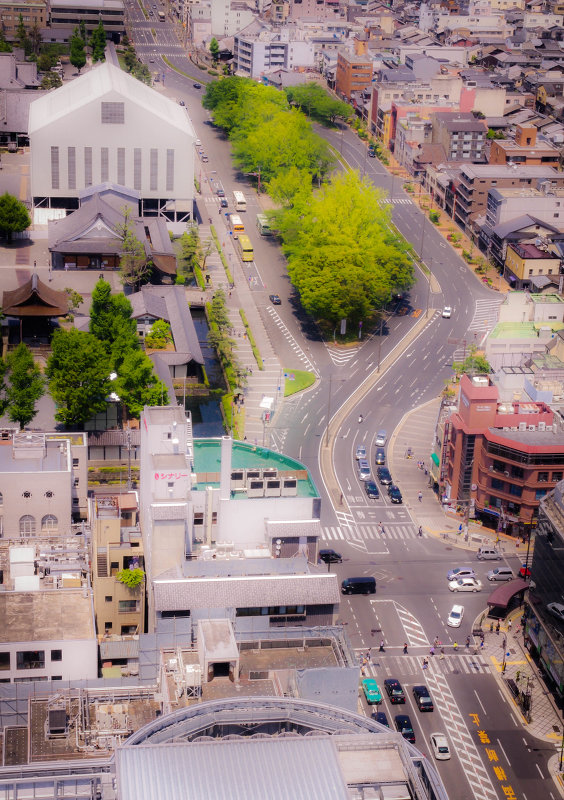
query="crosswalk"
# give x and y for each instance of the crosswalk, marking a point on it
(398, 201)
(291, 341)
(357, 532)
(485, 318)
(383, 666)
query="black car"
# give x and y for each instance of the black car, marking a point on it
(181, 103)
(380, 457)
(380, 717)
(371, 151)
(330, 557)
(394, 690)
(223, 202)
(394, 494)
(404, 726)
(275, 299)
(197, 85)
(422, 698)
(371, 489)
(384, 476)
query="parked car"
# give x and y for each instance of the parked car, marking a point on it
(557, 610)
(371, 691)
(275, 299)
(394, 494)
(360, 452)
(371, 490)
(447, 312)
(384, 476)
(380, 717)
(381, 438)
(404, 726)
(422, 698)
(460, 572)
(439, 745)
(465, 585)
(380, 456)
(394, 690)
(524, 572)
(329, 556)
(455, 617)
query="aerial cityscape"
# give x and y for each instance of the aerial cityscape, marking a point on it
(282, 399)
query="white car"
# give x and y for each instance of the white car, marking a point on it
(198, 143)
(360, 452)
(460, 572)
(455, 617)
(557, 610)
(447, 311)
(439, 743)
(381, 438)
(465, 585)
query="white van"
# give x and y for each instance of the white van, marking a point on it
(488, 553)
(236, 224)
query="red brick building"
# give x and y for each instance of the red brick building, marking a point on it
(500, 459)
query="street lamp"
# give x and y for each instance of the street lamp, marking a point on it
(256, 174)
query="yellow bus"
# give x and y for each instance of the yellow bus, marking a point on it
(245, 247)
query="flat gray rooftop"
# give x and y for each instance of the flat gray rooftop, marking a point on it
(46, 616)
(50, 460)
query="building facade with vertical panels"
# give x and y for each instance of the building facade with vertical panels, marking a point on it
(106, 126)
(33, 12)
(67, 14)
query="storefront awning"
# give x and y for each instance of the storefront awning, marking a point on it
(435, 459)
(503, 594)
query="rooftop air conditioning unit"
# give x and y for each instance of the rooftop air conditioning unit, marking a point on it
(542, 426)
(550, 427)
(256, 488)
(532, 427)
(514, 427)
(506, 429)
(273, 487)
(289, 487)
(522, 426)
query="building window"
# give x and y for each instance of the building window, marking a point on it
(88, 166)
(108, 598)
(121, 166)
(556, 477)
(542, 477)
(26, 494)
(137, 168)
(4, 661)
(1, 499)
(76, 481)
(113, 113)
(30, 659)
(56, 655)
(497, 484)
(75, 462)
(499, 466)
(540, 493)
(128, 606)
(104, 164)
(513, 508)
(55, 168)
(515, 490)
(49, 495)
(154, 169)
(71, 167)
(518, 472)
(27, 525)
(49, 522)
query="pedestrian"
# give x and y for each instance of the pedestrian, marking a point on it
(497, 627)
(34, 264)
(455, 646)
(509, 625)
(482, 637)
(420, 496)
(369, 654)
(482, 645)
(467, 642)
(491, 626)
(432, 651)
(442, 653)
(381, 649)
(405, 648)
(420, 531)
(425, 663)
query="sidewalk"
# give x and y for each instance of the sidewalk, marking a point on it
(417, 430)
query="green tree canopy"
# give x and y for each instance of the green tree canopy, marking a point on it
(317, 103)
(35, 38)
(78, 371)
(26, 385)
(77, 51)
(214, 49)
(342, 255)
(51, 80)
(5, 47)
(133, 264)
(137, 385)
(98, 43)
(111, 322)
(474, 363)
(14, 216)
(159, 335)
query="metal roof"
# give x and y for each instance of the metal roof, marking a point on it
(253, 769)
(122, 648)
(503, 594)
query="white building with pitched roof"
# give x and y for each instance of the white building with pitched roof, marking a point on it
(106, 126)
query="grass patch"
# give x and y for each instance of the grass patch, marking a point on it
(256, 351)
(302, 380)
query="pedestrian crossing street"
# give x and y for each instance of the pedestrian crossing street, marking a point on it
(398, 201)
(384, 666)
(485, 318)
(357, 532)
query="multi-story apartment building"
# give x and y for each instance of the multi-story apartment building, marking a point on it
(220, 18)
(354, 74)
(67, 14)
(527, 150)
(258, 50)
(501, 458)
(462, 136)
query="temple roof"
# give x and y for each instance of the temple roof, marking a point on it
(35, 299)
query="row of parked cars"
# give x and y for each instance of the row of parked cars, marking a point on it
(402, 722)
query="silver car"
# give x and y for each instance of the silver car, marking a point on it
(381, 438)
(364, 470)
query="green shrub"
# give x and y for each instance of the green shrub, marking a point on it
(131, 577)
(435, 217)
